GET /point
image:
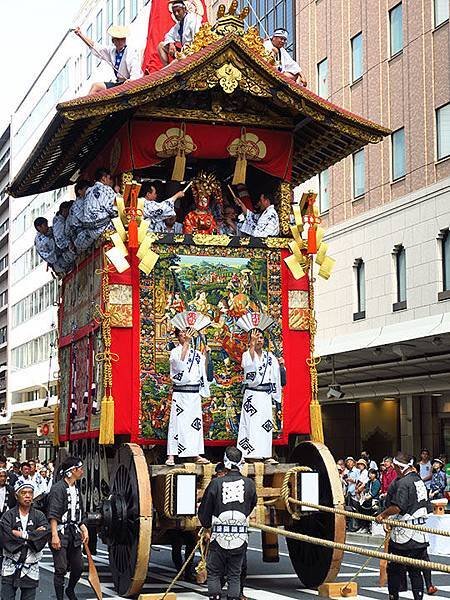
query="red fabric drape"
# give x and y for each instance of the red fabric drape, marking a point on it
(133, 147)
(159, 23)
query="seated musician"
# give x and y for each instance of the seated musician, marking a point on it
(183, 32)
(264, 224)
(98, 210)
(283, 61)
(154, 211)
(169, 225)
(229, 225)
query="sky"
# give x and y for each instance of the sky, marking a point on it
(31, 31)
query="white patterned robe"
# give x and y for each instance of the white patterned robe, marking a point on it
(256, 422)
(263, 225)
(98, 210)
(156, 212)
(185, 435)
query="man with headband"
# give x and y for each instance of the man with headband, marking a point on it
(225, 508)
(283, 61)
(65, 512)
(183, 32)
(408, 504)
(24, 532)
(7, 496)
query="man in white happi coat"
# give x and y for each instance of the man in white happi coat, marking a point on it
(190, 385)
(264, 224)
(44, 243)
(98, 210)
(283, 61)
(183, 32)
(154, 211)
(63, 244)
(262, 384)
(125, 61)
(75, 216)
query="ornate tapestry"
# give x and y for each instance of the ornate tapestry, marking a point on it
(81, 294)
(223, 283)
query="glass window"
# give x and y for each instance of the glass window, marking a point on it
(99, 27)
(322, 78)
(440, 11)
(360, 286)
(89, 54)
(400, 267)
(443, 131)
(396, 28)
(398, 154)
(133, 9)
(110, 12)
(121, 12)
(357, 57)
(358, 174)
(446, 261)
(324, 203)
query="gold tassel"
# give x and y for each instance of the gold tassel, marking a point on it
(240, 170)
(106, 436)
(315, 415)
(179, 166)
(56, 425)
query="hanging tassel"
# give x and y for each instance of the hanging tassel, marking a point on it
(133, 235)
(240, 170)
(312, 240)
(179, 166)
(106, 436)
(315, 415)
(56, 425)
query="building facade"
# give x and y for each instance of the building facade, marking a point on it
(384, 316)
(33, 292)
(4, 262)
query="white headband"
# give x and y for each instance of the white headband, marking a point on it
(403, 466)
(21, 485)
(68, 471)
(229, 464)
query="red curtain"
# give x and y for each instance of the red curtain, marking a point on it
(133, 147)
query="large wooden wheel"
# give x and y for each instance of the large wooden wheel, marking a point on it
(314, 564)
(127, 520)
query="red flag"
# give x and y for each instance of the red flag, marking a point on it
(159, 23)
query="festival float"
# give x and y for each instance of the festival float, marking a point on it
(219, 116)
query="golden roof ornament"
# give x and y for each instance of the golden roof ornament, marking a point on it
(228, 22)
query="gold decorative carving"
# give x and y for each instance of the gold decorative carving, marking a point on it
(202, 239)
(229, 77)
(254, 41)
(285, 202)
(275, 242)
(127, 177)
(204, 37)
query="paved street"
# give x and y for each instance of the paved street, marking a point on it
(265, 582)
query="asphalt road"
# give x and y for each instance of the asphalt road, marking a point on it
(266, 581)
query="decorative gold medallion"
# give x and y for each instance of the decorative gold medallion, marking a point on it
(229, 77)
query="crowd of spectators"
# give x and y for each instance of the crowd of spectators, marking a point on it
(366, 484)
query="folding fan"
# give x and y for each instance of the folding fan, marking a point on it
(255, 320)
(190, 319)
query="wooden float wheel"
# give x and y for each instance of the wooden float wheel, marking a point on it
(129, 515)
(314, 564)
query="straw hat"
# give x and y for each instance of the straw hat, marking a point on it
(361, 461)
(118, 31)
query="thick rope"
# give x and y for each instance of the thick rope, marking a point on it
(168, 491)
(285, 492)
(201, 545)
(362, 517)
(403, 560)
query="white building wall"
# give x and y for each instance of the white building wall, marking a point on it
(413, 221)
(71, 52)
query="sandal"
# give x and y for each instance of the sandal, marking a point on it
(201, 460)
(170, 463)
(271, 461)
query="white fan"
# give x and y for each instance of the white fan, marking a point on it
(255, 320)
(190, 319)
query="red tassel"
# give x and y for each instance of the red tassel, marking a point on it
(133, 241)
(312, 240)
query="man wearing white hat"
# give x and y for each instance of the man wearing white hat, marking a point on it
(283, 61)
(183, 32)
(125, 61)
